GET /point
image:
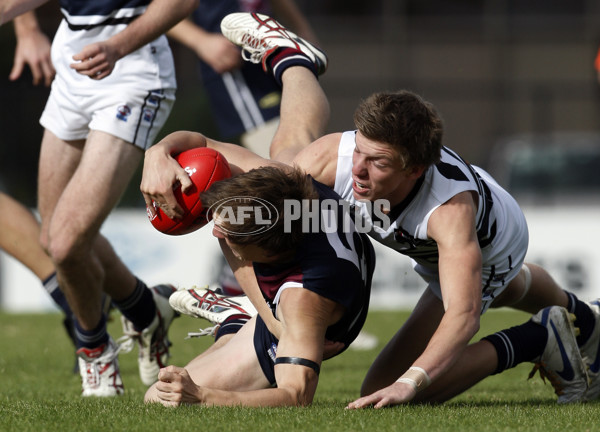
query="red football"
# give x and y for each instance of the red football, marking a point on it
(204, 166)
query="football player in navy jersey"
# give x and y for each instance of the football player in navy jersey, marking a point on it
(112, 92)
(244, 101)
(466, 235)
(315, 276)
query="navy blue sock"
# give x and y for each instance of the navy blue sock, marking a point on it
(91, 338)
(584, 318)
(518, 344)
(51, 286)
(139, 307)
(231, 325)
(284, 58)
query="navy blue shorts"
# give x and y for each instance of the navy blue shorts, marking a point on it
(265, 345)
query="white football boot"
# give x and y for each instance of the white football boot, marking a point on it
(561, 362)
(260, 36)
(591, 354)
(99, 369)
(153, 342)
(208, 304)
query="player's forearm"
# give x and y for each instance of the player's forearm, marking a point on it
(448, 342)
(10, 9)
(26, 24)
(244, 274)
(187, 33)
(160, 16)
(460, 276)
(271, 397)
(178, 142)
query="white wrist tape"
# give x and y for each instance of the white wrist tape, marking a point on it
(416, 377)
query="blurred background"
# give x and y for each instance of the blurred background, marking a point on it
(514, 81)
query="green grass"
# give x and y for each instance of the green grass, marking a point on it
(38, 391)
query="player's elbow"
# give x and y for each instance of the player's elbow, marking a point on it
(472, 321)
(301, 398)
(301, 394)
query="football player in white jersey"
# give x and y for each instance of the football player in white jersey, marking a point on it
(113, 91)
(466, 235)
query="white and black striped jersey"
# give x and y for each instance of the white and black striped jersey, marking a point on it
(500, 225)
(88, 21)
(86, 14)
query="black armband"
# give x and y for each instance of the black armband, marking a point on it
(299, 361)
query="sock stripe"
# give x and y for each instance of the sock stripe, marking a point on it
(50, 283)
(571, 306)
(504, 350)
(139, 307)
(134, 298)
(510, 351)
(287, 57)
(91, 338)
(298, 58)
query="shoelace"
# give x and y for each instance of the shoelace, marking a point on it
(209, 331)
(254, 56)
(95, 367)
(130, 336)
(212, 302)
(127, 342)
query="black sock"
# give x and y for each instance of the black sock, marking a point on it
(231, 325)
(51, 286)
(284, 58)
(518, 344)
(91, 338)
(584, 318)
(139, 307)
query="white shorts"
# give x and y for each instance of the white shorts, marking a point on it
(134, 115)
(133, 103)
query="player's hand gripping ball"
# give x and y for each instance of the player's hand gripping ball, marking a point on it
(204, 166)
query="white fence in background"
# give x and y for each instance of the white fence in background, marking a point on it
(563, 240)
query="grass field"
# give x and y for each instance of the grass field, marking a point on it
(38, 391)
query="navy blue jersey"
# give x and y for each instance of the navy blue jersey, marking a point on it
(337, 265)
(101, 12)
(99, 7)
(243, 99)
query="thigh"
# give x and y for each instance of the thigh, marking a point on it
(105, 168)
(58, 161)
(19, 236)
(406, 345)
(233, 366)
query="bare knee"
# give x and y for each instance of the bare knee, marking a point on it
(516, 290)
(63, 248)
(531, 290)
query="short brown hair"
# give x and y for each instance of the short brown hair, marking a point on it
(406, 122)
(268, 184)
